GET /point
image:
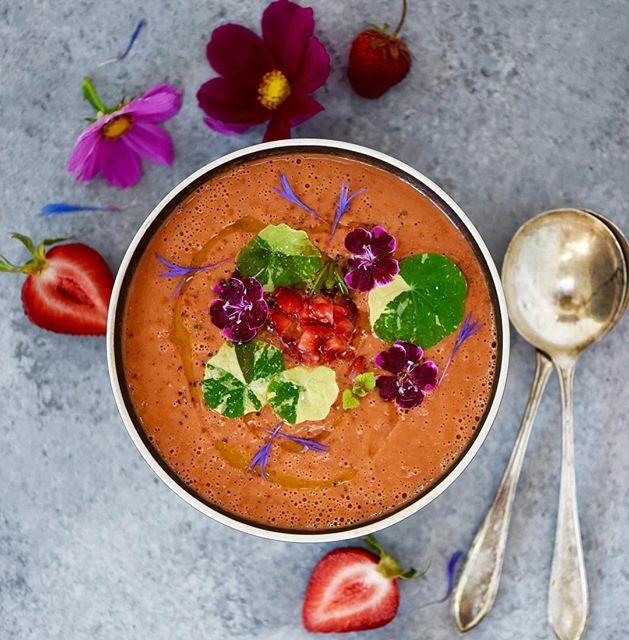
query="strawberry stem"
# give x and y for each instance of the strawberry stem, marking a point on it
(37, 263)
(389, 566)
(401, 22)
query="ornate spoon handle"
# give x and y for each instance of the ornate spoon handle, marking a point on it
(477, 588)
(568, 591)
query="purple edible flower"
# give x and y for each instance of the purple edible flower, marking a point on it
(240, 309)
(179, 271)
(468, 329)
(342, 206)
(115, 142)
(373, 264)
(121, 56)
(452, 564)
(411, 375)
(288, 194)
(261, 457)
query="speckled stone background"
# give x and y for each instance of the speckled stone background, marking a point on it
(513, 107)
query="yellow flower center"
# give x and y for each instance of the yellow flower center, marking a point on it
(273, 89)
(117, 126)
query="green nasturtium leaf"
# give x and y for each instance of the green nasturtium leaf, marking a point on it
(303, 393)
(237, 377)
(280, 256)
(428, 302)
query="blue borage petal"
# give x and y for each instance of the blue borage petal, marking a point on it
(261, 457)
(55, 208)
(468, 329)
(452, 564)
(125, 53)
(342, 206)
(178, 271)
(287, 193)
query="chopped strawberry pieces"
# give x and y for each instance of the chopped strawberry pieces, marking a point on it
(314, 329)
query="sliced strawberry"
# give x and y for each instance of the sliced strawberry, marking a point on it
(67, 289)
(288, 300)
(352, 589)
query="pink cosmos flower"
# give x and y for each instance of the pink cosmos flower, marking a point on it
(268, 78)
(115, 142)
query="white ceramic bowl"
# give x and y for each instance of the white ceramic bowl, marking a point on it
(135, 250)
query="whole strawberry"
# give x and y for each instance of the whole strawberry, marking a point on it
(68, 286)
(378, 60)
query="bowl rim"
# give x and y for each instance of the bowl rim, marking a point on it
(358, 530)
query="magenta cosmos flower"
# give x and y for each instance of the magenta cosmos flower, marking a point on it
(115, 142)
(268, 78)
(373, 264)
(411, 375)
(240, 309)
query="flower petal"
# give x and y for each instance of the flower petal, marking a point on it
(286, 29)
(314, 69)
(425, 375)
(358, 241)
(84, 158)
(382, 242)
(238, 53)
(252, 289)
(230, 106)
(387, 387)
(393, 360)
(118, 163)
(412, 352)
(361, 278)
(239, 332)
(231, 289)
(159, 103)
(409, 395)
(279, 126)
(257, 315)
(298, 109)
(219, 315)
(384, 270)
(151, 142)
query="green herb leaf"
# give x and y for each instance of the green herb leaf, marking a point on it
(350, 401)
(363, 384)
(280, 256)
(303, 393)
(425, 304)
(237, 377)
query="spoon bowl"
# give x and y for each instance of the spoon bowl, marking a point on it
(565, 278)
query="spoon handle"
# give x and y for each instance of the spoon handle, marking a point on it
(567, 592)
(477, 588)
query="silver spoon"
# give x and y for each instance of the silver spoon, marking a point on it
(565, 279)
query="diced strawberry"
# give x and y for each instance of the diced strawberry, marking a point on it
(334, 345)
(319, 309)
(286, 327)
(288, 300)
(340, 311)
(344, 327)
(359, 364)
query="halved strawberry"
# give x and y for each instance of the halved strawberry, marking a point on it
(67, 289)
(352, 589)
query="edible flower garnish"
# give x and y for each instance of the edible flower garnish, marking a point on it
(123, 54)
(114, 143)
(286, 191)
(240, 309)
(261, 457)
(55, 208)
(178, 271)
(373, 264)
(452, 564)
(468, 329)
(342, 206)
(411, 378)
(268, 78)
(362, 385)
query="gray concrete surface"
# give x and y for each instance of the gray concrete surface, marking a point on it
(513, 107)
